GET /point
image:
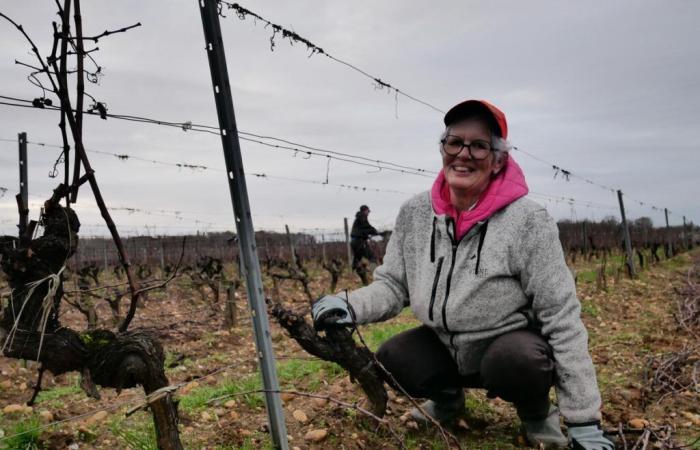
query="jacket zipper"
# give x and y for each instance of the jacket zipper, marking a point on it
(455, 244)
(435, 284)
(447, 285)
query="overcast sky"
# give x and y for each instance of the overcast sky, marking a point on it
(607, 90)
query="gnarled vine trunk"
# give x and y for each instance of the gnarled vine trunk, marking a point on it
(30, 327)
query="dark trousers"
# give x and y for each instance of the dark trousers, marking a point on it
(517, 367)
(361, 249)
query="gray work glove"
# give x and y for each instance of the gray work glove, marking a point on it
(589, 437)
(331, 310)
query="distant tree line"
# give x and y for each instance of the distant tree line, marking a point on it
(580, 239)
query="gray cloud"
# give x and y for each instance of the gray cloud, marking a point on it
(608, 90)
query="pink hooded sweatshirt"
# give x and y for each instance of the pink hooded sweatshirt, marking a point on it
(508, 186)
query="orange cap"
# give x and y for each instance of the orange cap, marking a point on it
(495, 117)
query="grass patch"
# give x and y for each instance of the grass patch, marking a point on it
(215, 358)
(198, 397)
(311, 372)
(135, 435)
(52, 396)
(477, 406)
(589, 308)
(608, 380)
(675, 262)
(262, 442)
(376, 334)
(23, 435)
(588, 276)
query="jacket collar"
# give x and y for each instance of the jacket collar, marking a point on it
(508, 186)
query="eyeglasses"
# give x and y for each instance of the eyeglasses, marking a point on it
(478, 148)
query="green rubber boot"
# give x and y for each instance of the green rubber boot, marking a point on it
(545, 433)
(443, 410)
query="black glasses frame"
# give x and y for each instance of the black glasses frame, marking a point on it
(467, 146)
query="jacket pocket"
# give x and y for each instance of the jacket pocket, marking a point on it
(435, 284)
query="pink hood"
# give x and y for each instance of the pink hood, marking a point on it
(508, 186)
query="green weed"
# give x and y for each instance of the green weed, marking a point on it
(311, 372)
(23, 436)
(587, 307)
(198, 397)
(50, 395)
(136, 435)
(376, 334)
(477, 406)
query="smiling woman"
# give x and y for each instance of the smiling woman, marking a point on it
(483, 269)
(468, 162)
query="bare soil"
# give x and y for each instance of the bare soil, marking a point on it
(628, 324)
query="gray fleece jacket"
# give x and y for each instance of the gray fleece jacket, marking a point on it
(504, 274)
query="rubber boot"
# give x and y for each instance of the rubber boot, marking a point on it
(545, 433)
(449, 405)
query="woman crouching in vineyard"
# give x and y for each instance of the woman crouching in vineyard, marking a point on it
(483, 269)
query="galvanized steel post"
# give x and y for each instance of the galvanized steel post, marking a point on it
(626, 231)
(669, 246)
(347, 244)
(23, 196)
(244, 224)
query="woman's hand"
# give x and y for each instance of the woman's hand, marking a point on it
(331, 310)
(589, 437)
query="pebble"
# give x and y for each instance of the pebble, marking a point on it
(286, 396)
(46, 416)
(230, 404)
(463, 424)
(17, 409)
(695, 418)
(638, 423)
(412, 424)
(300, 416)
(188, 387)
(316, 435)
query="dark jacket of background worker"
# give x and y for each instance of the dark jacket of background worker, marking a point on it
(360, 233)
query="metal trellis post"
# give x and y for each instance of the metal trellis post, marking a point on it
(626, 230)
(347, 243)
(291, 247)
(23, 197)
(669, 247)
(244, 224)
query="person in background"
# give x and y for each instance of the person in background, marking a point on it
(359, 235)
(483, 270)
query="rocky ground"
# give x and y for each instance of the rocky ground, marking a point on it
(634, 338)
